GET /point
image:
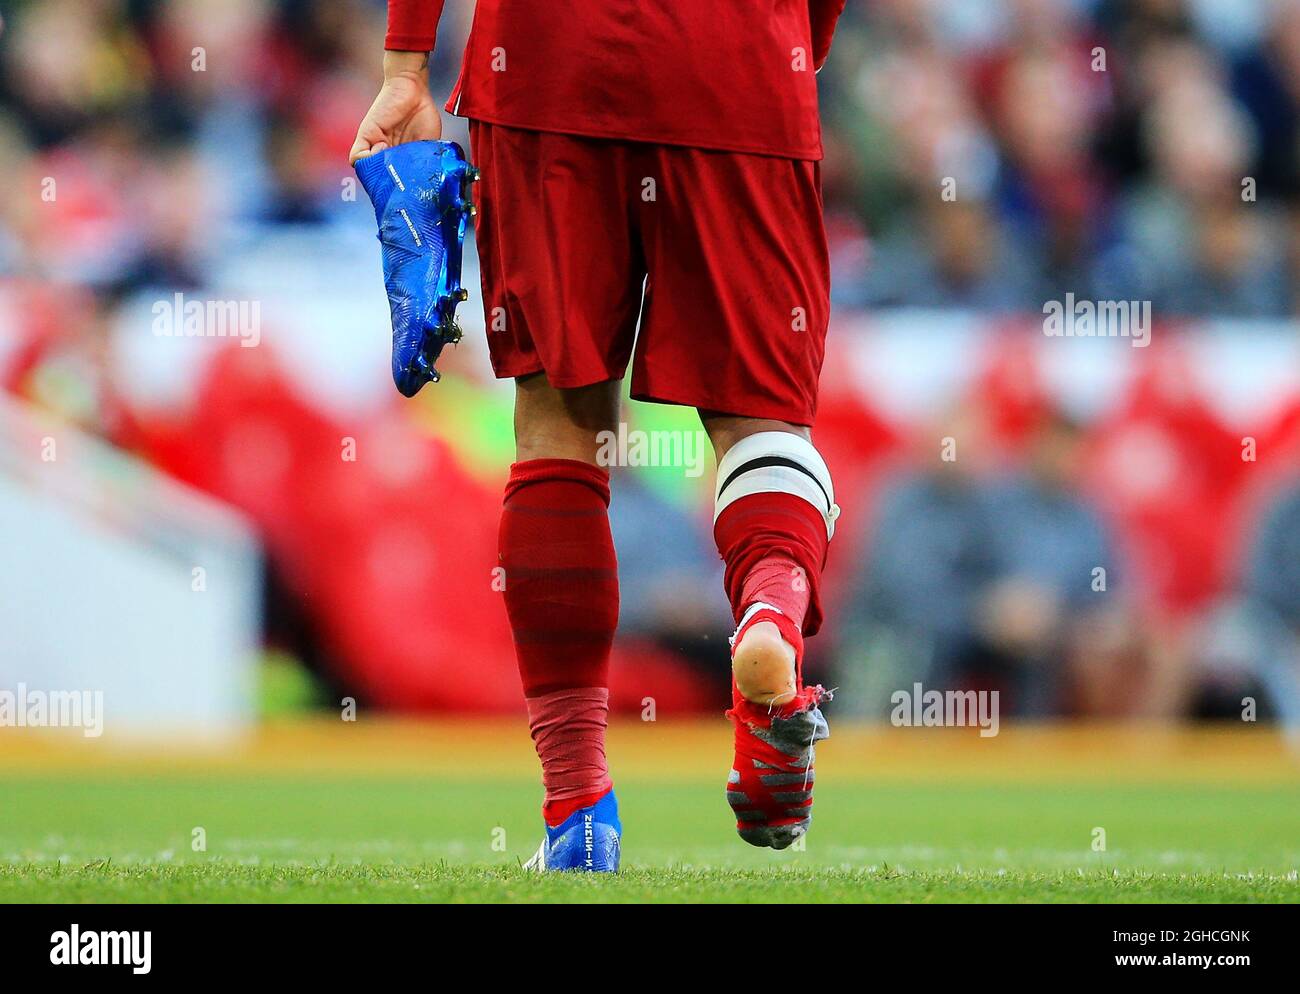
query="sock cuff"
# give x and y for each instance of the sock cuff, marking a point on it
(530, 471)
(546, 707)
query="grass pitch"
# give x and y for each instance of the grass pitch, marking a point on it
(413, 813)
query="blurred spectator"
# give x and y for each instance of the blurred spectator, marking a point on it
(669, 578)
(1001, 154)
(990, 580)
(1252, 646)
(911, 614)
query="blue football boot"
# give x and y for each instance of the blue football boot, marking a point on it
(420, 192)
(589, 840)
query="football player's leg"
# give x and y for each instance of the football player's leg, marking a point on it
(772, 527)
(561, 595)
(734, 325)
(562, 282)
(775, 514)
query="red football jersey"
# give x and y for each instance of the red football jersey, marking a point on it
(733, 75)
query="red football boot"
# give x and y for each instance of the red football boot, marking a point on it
(777, 725)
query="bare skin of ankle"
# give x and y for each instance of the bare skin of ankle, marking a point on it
(763, 664)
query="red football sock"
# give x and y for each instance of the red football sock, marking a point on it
(568, 729)
(778, 581)
(774, 546)
(561, 594)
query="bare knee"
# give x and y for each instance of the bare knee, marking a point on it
(725, 430)
(555, 423)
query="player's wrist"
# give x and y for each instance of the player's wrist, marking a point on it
(399, 63)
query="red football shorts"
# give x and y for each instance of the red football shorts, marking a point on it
(729, 248)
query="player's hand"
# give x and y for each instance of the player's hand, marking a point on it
(404, 111)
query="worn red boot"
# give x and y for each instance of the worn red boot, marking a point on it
(777, 721)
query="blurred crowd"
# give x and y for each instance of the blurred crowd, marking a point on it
(1118, 149)
(1134, 566)
(983, 156)
(993, 154)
